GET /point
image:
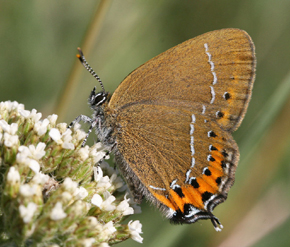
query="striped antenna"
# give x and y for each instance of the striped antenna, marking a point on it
(84, 62)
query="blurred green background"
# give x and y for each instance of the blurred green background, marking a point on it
(38, 47)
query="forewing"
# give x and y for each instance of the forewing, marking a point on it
(215, 69)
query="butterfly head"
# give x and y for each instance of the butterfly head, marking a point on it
(97, 99)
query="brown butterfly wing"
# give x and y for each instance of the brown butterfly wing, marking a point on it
(174, 116)
(155, 152)
(184, 73)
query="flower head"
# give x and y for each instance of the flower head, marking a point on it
(54, 188)
(27, 213)
(135, 228)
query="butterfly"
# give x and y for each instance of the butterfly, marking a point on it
(170, 123)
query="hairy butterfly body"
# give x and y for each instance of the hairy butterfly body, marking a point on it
(170, 121)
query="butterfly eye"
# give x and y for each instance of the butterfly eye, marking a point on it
(98, 99)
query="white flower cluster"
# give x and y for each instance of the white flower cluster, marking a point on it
(65, 200)
(13, 176)
(135, 228)
(63, 139)
(27, 212)
(8, 106)
(10, 137)
(31, 155)
(107, 202)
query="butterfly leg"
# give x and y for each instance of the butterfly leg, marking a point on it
(106, 154)
(93, 124)
(82, 118)
(110, 151)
